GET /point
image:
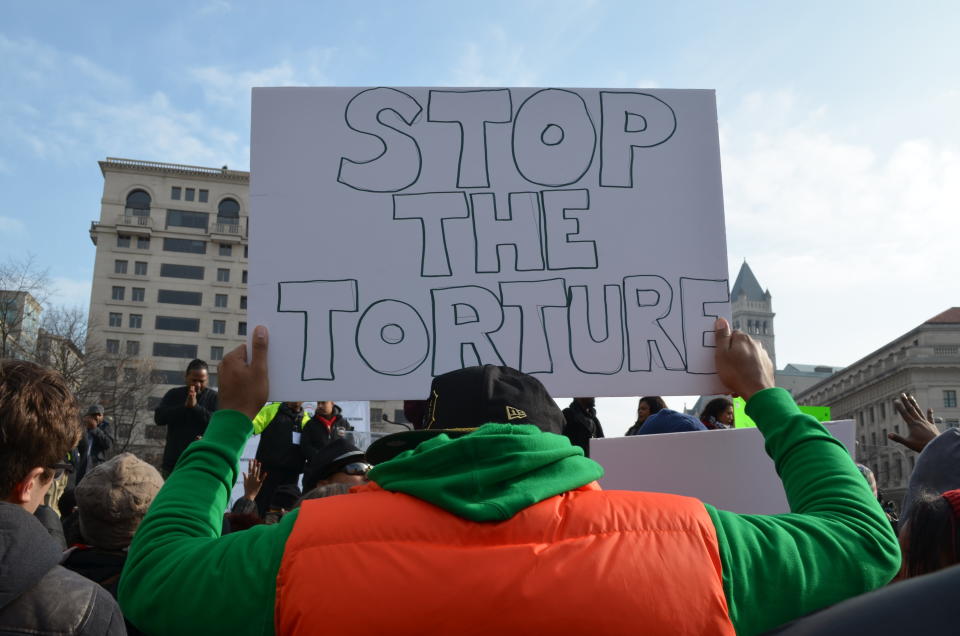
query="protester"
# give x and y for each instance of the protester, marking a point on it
(937, 468)
(112, 500)
(930, 537)
(39, 424)
(280, 426)
(338, 462)
(185, 411)
(718, 413)
(669, 421)
(647, 406)
(581, 423)
(510, 518)
(326, 426)
(93, 447)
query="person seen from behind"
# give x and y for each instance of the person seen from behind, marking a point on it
(509, 515)
(930, 512)
(111, 502)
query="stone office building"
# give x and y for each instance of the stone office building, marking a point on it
(924, 362)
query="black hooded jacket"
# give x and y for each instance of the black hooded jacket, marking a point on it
(316, 435)
(37, 595)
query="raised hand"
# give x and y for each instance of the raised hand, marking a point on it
(253, 480)
(243, 383)
(920, 430)
(742, 363)
(191, 396)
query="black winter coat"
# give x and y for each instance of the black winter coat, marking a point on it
(277, 449)
(38, 596)
(316, 435)
(581, 426)
(183, 424)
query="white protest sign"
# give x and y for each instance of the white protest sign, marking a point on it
(726, 468)
(401, 233)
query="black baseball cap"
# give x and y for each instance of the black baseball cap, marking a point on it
(461, 401)
(329, 460)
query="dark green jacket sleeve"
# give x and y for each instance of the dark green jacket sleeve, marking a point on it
(182, 577)
(835, 543)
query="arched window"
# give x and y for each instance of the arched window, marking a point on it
(228, 212)
(138, 203)
(749, 326)
(764, 326)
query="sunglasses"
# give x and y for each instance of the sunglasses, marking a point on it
(356, 468)
(60, 469)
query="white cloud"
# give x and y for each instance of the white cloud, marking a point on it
(229, 88)
(498, 61)
(70, 292)
(10, 226)
(106, 114)
(215, 7)
(855, 242)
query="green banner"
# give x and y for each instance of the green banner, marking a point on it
(742, 420)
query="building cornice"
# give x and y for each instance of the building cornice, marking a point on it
(137, 166)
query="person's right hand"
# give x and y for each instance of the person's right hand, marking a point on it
(244, 384)
(742, 363)
(191, 396)
(920, 430)
(253, 480)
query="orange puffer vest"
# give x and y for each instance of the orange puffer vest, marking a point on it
(585, 562)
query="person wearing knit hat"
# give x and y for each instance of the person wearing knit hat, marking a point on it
(113, 498)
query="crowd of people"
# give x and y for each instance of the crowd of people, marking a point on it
(485, 516)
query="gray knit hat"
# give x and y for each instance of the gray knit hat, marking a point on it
(112, 499)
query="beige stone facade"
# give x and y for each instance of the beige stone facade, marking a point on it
(924, 362)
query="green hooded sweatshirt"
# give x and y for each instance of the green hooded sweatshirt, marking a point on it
(181, 577)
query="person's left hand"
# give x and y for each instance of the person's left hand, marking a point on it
(244, 385)
(253, 480)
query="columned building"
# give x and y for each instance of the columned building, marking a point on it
(924, 362)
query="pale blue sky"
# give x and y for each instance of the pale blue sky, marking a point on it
(839, 132)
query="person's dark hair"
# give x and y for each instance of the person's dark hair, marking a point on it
(197, 365)
(39, 421)
(715, 408)
(933, 541)
(655, 402)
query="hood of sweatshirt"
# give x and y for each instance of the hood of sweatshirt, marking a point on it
(491, 474)
(27, 552)
(937, 469)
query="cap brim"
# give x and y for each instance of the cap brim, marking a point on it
(392, 445)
